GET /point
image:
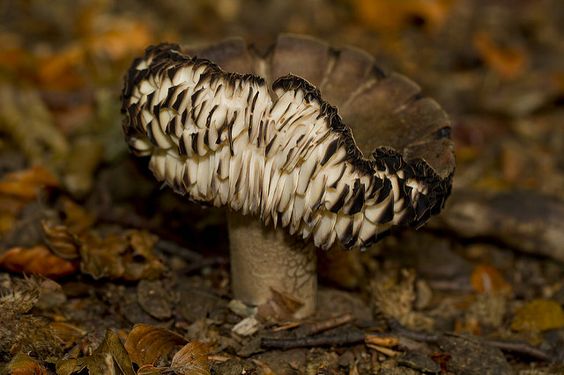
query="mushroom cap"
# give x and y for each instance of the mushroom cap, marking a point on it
(316, 139)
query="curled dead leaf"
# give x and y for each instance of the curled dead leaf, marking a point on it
(60, 240)
(36, 260)
(27, 183)
(23, 364)
(192, 359)
(77, 219)
(279, 307)
(128, 256)
(67, 333)
(149, 345)
(151, 370)
(487, 279)
(109, 358)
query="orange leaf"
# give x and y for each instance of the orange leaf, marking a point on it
(23, 364)
(122, 39)
(507, 62)
(36, 260)
(61, 70)
(26, 184)
(487, 279)
(386, 15)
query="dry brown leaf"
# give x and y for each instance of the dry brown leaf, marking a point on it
(192, 359)
(507, 62)
(23, 364)
(60, 240)
(151, 370)
(279, 307)
(128, 256)
(538, 315)
(487, 279)
(148, 345)
(61, 70)
(27, 183)
(394, 295)
(67, 333)
(109, 358)
(36, 260)
(121, 39)
(77, 219)
(385, 15)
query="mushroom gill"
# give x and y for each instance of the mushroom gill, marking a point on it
(223, 139)
(282, 152)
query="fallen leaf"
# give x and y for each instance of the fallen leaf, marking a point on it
(192, 359)
(36, 260)
(121, 39)
(77, 219)
(149, 345)
(67, 333)
(128, 256)
(27, 183)
(151, 370)
(538, 315)
(507, 62)
(61, 69)
(60, 240)
(23, 364)
(385, 15)
(109, 358)
(279, 307)
(487, 279)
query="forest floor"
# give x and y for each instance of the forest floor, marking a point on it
(103, 271)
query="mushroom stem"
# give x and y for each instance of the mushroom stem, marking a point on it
(265, 259)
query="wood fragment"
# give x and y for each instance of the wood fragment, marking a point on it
(386, 351)
(341, 339)
(325, 325)
(382, 340)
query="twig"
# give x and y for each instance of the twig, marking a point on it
(520, 348)
(346, 338)
(386, 351)
(286, 326)
(325, 325)
(507, 346)
(400, 330)
(382, 340)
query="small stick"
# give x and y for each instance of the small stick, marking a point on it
(286, 326)
(521, 348)
(508, 346)
(386, 351)
(325, 325)
(381, 340)
(347, 338)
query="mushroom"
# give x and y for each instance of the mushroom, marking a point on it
(307, 145)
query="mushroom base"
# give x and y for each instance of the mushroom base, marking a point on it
(264, 259)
